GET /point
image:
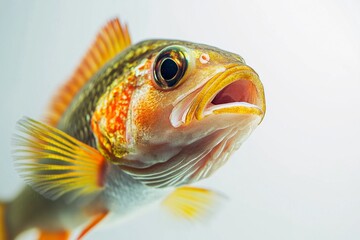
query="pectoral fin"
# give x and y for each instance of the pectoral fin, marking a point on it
(192, 203)
(54, 163)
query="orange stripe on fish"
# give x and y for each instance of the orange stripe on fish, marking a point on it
(109, 118)
(112, 39)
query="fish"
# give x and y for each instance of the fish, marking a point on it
(134, 125)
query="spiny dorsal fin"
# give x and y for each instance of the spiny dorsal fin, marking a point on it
(111, 40)
(55, 164)
(192, 203)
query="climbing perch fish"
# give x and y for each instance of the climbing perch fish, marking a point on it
(134, 125)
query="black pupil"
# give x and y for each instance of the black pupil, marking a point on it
(169, 69)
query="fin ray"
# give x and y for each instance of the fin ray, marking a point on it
(111, 40)
(192, 203)
(54, 163)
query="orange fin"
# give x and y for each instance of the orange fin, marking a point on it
(92, 224)
(61, 235)
(3, 230)
(192, 203)
(54, 163)
(111, 40)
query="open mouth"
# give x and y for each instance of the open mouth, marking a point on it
(237, 90)
(238, 94)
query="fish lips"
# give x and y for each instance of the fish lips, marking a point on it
(237, 90)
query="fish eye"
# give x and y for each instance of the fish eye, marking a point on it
(170, 67)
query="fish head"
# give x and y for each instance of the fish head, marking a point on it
(192, 106)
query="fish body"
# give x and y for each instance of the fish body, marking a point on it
(132, 127)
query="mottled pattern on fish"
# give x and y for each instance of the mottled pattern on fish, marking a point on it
(77, 118)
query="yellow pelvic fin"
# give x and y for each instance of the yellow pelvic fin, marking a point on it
(111, 40)
(192, 203)
(60, 235)
(54, 163)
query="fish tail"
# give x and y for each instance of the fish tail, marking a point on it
(4, 234)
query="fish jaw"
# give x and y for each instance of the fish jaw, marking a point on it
(236, 90)
(195, 151)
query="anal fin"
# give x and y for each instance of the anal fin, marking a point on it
(92, 224)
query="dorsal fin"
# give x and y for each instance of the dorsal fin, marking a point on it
(111, 40)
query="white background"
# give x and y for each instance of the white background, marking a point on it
(297, 177)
